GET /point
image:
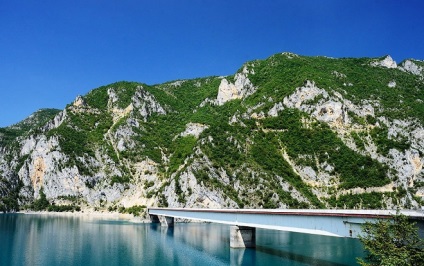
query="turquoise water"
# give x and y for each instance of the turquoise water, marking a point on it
(57, 240)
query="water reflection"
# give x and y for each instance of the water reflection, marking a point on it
(309, 249)
(56, 240)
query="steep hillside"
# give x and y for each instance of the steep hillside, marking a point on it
(286, 132)
(26, 126)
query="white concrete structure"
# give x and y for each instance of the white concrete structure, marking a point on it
(339, 223)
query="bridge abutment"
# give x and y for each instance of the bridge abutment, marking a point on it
(242, 237)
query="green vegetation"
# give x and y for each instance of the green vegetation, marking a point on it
(9, 135)
(392, 242)
(278, 75)
(384, 144)
(119, 179)
(124, 90)
(136, 210)
(319, 141)
(9, 195)
(63, 208)
(265, 153)
(212, 182)
(358, 141)
(98, 98)
(183, 147)
(41, 203)
(371, 200)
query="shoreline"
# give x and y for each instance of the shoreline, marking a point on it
(116, 216)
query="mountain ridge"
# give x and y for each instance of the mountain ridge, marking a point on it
(288, 131)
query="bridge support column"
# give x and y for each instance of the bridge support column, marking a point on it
(168, 221)
(154, 219)
(242, 237)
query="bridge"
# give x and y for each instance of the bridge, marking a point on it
(338, 223)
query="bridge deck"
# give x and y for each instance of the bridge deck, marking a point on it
(344, 223)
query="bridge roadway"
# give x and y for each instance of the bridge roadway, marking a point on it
(339, 223)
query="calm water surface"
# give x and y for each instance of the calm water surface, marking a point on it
(55, 240)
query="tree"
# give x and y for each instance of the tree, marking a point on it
(9, 195)
(392, 242)
(42, 203)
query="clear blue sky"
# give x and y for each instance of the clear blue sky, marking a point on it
(51, 51)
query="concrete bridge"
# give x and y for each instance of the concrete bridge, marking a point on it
(339, 223)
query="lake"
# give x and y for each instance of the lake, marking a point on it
(32, 239)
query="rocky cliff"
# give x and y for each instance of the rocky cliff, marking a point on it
(286, 132)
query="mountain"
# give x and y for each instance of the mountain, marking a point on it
(289, 131)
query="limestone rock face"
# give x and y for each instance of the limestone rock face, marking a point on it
(387, 62)
(275, 109)
(197, 195)
(56, 122)
(392, 84)
(241, 88)
(408, 164)
(194, 129)
(332, 109)
(417, 135)
(79, 102)
(307, 92)
(331, 112)
(227, 92)
(146, 103)
(117, 113)
(290, 55)
(411, 67)
(304, 99)
(123, 137)
(28, 145)
(43, 169)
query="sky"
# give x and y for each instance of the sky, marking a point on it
(52, 51)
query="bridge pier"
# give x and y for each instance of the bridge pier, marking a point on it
(163, 220)
(168, 221)
(242, 237)
(154, 219)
